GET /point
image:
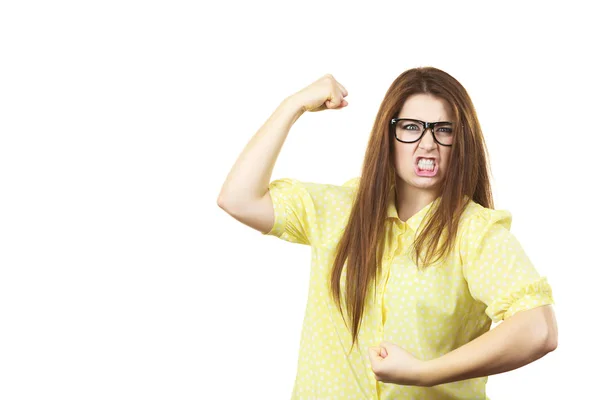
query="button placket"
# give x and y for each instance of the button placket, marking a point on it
(397, 231)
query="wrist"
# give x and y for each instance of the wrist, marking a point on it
(427, 374)
(295, 104)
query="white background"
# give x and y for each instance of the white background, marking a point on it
(121, 278)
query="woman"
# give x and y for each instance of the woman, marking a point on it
(411, 263)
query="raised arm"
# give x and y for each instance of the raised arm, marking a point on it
(245, 195)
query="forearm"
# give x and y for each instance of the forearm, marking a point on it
(249, 177)
(520, 340)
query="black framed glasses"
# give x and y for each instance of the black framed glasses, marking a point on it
(408, 130)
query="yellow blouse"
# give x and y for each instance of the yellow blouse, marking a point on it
(488, 277)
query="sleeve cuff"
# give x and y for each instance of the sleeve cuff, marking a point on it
(532, 295)
(279, 208)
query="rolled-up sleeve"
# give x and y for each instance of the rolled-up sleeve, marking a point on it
(497, 270)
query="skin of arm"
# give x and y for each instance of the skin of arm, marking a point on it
(517, 341)
(249, 177)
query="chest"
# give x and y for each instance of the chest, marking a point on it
(438, 292)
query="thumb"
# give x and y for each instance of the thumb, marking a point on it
(335, 101)
(384, 346)
(331, 103)
(384, 352)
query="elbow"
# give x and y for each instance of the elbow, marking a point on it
(540, 345)
(231, 205)
(551, 342)
(546, 329)
(551, 337)
(548, 342)
(221, 201)
(542, 331)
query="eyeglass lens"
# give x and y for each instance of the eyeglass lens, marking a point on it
(411, 131)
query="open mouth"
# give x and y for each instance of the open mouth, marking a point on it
(426, 167)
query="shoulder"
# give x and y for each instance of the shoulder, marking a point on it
(352, 183)
(334, 191)
(477, 215)
(476, 219)
(321, 194)
(309, 212)
(480, 227)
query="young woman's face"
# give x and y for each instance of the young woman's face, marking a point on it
(428, 108)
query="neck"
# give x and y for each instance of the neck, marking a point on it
(410, 200)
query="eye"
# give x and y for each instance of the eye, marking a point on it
(411, 125)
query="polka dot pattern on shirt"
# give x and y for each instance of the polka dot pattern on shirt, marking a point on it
(487, 278)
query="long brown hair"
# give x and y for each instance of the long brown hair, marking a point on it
(467, 178)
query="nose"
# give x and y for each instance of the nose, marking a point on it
(427, 141)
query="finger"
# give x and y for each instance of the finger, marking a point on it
(342, 105)
(372, 350)
(341, 102)
(374, 353)
(342, 89)
(384, 352)
(335, 101)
